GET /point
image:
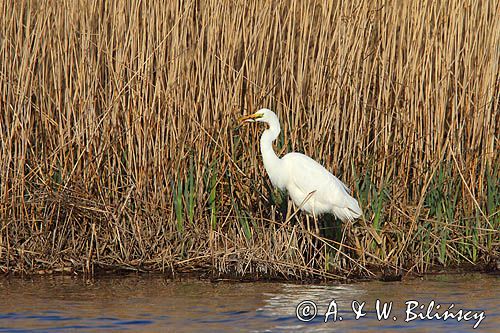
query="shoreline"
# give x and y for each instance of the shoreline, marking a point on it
(206, 275)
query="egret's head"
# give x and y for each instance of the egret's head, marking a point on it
(263, 115)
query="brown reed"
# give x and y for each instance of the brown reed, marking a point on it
(119, 147)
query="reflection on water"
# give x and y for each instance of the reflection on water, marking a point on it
(154, 304)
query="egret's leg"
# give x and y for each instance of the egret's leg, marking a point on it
(315, 219)
(316, 225)
(316, 240)
(289, 209)
(310, 253)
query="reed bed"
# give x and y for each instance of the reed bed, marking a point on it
(119, 146)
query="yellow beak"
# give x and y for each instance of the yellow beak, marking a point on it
(249, 118)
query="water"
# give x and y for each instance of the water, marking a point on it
(154, 304)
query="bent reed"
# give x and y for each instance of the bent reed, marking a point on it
(119, 146)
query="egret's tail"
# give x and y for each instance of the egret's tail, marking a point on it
(350, 212)
(346, 207)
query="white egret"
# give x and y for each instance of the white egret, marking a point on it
(308, 183)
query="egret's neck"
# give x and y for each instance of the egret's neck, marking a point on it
(266, 143)
(272, 163)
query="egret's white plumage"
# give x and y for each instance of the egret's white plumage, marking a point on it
(303, 177)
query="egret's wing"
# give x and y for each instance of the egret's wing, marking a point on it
(308, 175)
(341, 184)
